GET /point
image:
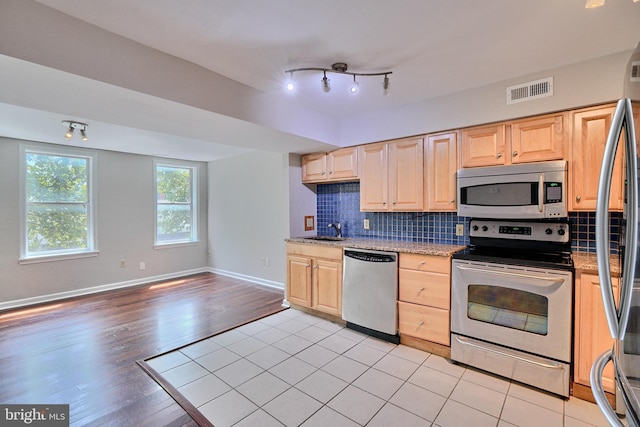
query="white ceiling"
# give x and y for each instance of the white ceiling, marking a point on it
(433, 48)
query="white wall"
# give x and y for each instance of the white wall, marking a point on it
(586, 83)
(249, 216)
(125, 230)
(302, 200)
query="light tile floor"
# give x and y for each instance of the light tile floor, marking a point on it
(295, 369)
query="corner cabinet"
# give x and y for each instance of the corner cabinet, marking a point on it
(314, 277)
(592, 336)
(339, 165)
(392, 176)
(441, 160)
(424, 297)
(590, 131)
(532, 139)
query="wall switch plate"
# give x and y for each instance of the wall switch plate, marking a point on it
(459, 229)
(366, 224)
(122, 263)
(142, 265)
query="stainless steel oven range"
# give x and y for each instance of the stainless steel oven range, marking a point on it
(512, 299)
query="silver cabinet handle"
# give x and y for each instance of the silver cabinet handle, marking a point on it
(315, 266)
(420, 290)
(498, 155)
(578, 198)
(514, 154)
(330, 172)
(617, 318)
(308, 265)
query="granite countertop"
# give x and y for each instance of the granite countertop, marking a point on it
(587, 261)
(439, 249)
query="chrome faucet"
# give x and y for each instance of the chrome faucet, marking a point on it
(338, 228)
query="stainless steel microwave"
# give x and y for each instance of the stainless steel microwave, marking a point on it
(524, 191)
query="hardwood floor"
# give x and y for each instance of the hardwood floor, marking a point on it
(83, 351)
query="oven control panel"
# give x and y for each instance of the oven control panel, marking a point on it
(520, 230)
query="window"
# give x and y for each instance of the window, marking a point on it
(58, 213)
(176, 219)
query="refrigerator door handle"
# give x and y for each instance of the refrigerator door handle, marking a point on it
(598, 389)
(617, 318)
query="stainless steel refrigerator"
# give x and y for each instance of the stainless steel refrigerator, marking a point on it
(624, 317)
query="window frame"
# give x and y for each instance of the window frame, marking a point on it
(195, 217)
(91, 250)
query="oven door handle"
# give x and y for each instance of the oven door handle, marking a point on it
(466, 341)
(541, 193)
(506, 273)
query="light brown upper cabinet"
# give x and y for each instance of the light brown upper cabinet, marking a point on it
(392, 176)
(339, 165)
(521, 141)
(441, 159)
(590, 130)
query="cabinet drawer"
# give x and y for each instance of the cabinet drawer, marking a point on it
(434, 263)
(420, 287)
(315, 251)
(427, 323)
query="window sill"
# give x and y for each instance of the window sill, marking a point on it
(61, 257)
(175, 244)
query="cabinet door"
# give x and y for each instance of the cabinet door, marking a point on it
(538, 139)
(343, 164)
(299, 280)
(590, 130)
(483, 146)
(327, 286)
(406, 175)
(441, 160)
(373, 177)
(592, 333)
(314, 167)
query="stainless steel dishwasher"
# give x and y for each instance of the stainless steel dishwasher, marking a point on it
(370, 292)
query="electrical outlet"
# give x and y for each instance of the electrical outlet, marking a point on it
(142, 265)
(366, 224)
(265, 261)
(121, 263)
(459, 229)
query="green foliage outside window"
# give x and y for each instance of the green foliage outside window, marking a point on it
(174, 204)
(57, 198)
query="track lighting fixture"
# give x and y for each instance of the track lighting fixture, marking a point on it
(72, 126)
(338, 68)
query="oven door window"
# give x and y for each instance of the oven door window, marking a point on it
(511, 308)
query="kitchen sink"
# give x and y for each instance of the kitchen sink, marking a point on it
(329, 238)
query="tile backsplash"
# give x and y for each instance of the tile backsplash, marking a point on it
(340, 202)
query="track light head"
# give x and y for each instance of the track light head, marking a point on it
(69, 133)
(83, 134)
(353, 88)
(385, 85)
(325, 83)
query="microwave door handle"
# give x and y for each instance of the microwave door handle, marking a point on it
(541, 193)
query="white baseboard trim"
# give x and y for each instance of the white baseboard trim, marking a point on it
(258, 280)
(95, 289)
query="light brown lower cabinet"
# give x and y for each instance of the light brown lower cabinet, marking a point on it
(424, 297)
(591, 330)
(314, 277)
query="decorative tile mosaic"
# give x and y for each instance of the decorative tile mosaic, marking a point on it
(340, 202)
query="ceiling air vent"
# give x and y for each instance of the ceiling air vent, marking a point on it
(531, 90)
